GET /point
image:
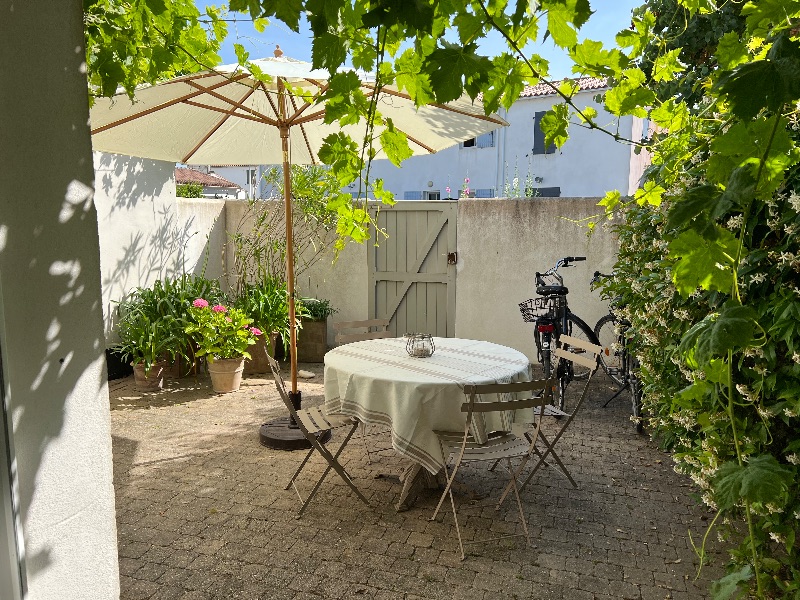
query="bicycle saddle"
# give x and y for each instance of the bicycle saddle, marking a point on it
(552, 290)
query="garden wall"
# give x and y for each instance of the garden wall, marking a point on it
(147, 233)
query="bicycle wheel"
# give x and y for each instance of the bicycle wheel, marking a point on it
(578, 329)
(611, 350)
(635, 387)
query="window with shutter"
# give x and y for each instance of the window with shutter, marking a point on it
(538, 136)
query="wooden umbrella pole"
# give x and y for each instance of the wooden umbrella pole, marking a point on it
(287, 200)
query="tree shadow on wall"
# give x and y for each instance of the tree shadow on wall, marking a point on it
(130, 180)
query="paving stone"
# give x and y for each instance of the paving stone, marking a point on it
(202, 513)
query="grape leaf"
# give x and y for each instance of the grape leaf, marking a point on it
(730, 51)
(554, 124)
(667, 65)
(702, 262)
(395, 144)
(752, 87)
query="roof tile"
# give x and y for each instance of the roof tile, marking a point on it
(183, 175)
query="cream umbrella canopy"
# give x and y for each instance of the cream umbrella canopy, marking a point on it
(226, 116)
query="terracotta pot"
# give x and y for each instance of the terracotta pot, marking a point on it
(259, 351)
(153, 381)
(226, 374)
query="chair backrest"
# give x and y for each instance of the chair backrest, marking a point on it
(357, 331)
(589, 357)
(473, 405)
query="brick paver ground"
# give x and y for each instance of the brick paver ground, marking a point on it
(202, 514)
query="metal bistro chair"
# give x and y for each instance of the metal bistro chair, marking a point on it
(498, 447)
(582, 353)
(311, 422)
(357, 331)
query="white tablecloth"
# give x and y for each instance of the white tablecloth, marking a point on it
(377, 382)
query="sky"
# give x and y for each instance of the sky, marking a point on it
(610, 17)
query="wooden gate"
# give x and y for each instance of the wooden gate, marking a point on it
(412, 273)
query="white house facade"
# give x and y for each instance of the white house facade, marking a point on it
(514, 162)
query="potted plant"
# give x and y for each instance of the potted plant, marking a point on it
(223, 335)
(312, 344)
(266, 303)
(175, 297)
(148, 340)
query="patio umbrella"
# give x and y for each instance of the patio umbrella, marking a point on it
(227, 117)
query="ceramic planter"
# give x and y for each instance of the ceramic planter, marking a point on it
(153, 380)
(312, 343)
(264, 346)
(226, 374)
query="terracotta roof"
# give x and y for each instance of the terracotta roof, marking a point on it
(204, 179)
(584, 83)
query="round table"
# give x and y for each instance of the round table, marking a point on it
(377, 381)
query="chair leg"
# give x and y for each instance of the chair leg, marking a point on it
(366, 445)
(519, 504)
(458, 529)
(332, 464)
(300, 468)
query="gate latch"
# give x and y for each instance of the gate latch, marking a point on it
(452, 258)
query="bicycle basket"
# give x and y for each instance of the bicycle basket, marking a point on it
(545, 306)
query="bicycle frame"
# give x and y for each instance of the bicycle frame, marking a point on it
(552, 319)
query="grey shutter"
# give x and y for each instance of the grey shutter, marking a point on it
(538, 136)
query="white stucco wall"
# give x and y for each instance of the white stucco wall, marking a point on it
(589, 164)
(146, 232)
(51, 319)
(502, 243)
(341, 280)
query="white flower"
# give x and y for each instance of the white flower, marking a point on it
(777, 538)
(794, 200)
(757, 278)
(735, 222)
(793, 458)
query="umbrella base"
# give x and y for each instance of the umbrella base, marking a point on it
(277, 434)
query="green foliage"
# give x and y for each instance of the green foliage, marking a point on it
(219, 331)
(130, 42)
(316, 309)
(709, 274)
(152, 320)
(189, 190)
(267, 304)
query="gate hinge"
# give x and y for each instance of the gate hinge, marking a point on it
(452, 258)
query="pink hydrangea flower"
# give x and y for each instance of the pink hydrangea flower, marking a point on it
(466, 179)
(256, 331)
(200, 303)
(218, 308)
(447, 189)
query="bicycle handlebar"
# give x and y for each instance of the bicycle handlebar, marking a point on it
(553, 272)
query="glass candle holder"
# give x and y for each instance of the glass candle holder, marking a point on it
(419, 345)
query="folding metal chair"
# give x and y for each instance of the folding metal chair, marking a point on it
(346, 332)
(582, 353)
(494, 447)
(311, 422)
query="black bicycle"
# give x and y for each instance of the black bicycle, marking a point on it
(616, 359)
(552, 316)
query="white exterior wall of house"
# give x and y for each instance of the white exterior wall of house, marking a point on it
(145, 233)
(238, 175)
(51, 320)
(589, 164)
